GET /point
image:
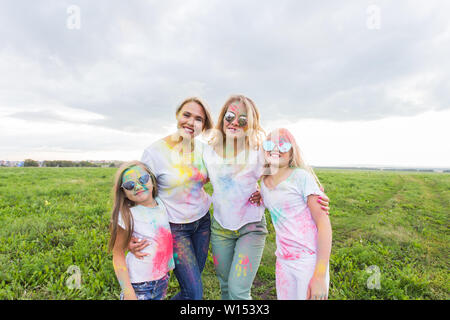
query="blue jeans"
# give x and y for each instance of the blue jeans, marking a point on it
(190, 250)
(151, 290)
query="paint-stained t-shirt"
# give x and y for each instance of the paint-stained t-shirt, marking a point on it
(150, 224)
(180, 182)
(296, 231)
(233, 181)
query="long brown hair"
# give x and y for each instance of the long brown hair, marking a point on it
(122, 204)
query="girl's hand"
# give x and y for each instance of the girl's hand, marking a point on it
(136, 245)
(317, 289)
(255, 198)
(324, 202)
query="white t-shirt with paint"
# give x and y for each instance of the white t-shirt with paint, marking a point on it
(296, 231)
(180, 182)
(233, 181)
(150, 224)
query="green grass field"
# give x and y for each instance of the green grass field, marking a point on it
(53, 218)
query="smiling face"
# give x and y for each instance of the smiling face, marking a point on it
(142, 191)
(235, 122)
(278, 154)
(191, 119)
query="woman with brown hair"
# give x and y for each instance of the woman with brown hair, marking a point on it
(177, 163)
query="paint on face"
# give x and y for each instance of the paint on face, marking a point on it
(279, 138)
(232, 127)
(233, 108)
(133, 174)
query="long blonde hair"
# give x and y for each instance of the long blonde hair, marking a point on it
(296, 158)
(122, 204)
(255, 133)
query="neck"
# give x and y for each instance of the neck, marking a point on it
(277, 171)
(233, 146)
(186, 144)
(150, 202)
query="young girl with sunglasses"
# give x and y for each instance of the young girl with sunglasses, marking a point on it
(138, 212)
(291, 192)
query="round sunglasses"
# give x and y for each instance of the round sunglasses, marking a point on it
(230, 116)
(130, 185)
(269, 145)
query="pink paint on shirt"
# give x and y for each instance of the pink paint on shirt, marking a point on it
(164, 252)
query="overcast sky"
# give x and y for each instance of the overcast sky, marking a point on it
(357, 82)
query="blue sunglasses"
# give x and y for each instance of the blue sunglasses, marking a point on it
(130, 185)
(269, 145)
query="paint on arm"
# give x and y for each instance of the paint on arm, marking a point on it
(324, 235)
(120, 266)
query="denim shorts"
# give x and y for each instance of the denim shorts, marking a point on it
(151, 290)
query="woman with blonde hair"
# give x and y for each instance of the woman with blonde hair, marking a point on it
(235, 163)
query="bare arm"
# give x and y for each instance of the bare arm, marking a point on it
(317, 287)
(120, 266)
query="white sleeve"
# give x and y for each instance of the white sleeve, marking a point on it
(120, 222)
(148, 159)
(309, 185)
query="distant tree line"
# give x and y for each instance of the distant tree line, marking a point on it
(64, 163)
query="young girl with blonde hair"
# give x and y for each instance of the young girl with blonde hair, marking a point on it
(291, 192)
(138, 212)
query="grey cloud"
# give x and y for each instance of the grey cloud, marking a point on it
(134, 61)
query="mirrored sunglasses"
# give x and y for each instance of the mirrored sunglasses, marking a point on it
(130, 185)
(269, 145)
(230, 116)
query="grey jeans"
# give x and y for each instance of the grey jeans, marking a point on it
(237, 255)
